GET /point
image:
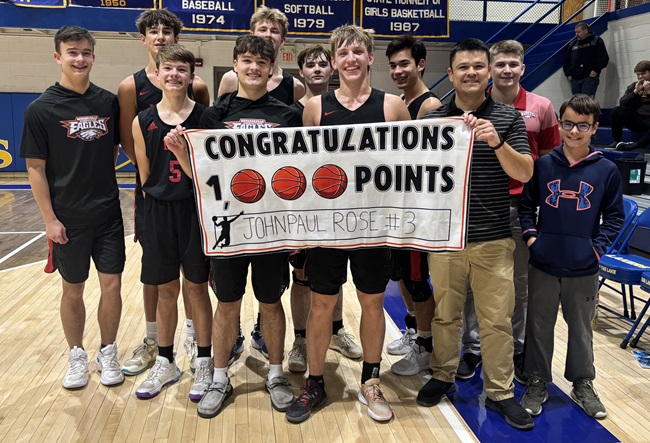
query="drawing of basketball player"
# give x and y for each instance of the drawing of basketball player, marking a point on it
(225, 230)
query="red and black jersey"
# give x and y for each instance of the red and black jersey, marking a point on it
(147, 95)
(334, 113)
(76, 134)
(166, 181)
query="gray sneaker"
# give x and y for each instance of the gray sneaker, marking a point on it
(281, 393)
(584, 394)
(213, 400)
(202, 378)
(413, 363)
(535, 396)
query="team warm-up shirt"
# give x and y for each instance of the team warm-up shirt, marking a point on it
(75, 134)
(233, 112)
(489, 198)
(166, 181)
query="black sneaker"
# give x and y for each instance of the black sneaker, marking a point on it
(512, 411)
(431, 393)
(467, 366)
(519, 369)
(626, 146)
(312, 396)
(612, 145)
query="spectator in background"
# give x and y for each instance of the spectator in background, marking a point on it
(634, 110)
(584, 60)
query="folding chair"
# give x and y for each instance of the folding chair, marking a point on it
(630, 208)
(645, 285)
(627, 269)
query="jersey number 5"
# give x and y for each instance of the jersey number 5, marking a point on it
(175, 169)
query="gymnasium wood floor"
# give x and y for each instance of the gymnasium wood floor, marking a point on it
(33, 358)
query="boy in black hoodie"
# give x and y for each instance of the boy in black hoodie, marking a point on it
(560, 213)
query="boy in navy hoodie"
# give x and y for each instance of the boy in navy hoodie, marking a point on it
(560, 213)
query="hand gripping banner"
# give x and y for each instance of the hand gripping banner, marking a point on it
(399, 184)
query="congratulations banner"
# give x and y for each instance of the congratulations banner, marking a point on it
(400, 184)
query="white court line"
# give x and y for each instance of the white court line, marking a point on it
(16, 251)
(445, 405)
(20, 232)
(37, 262)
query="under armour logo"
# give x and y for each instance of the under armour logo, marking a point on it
(583, 202)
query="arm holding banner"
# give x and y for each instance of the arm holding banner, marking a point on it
(175, 142)
(516, 165)
(140, 151)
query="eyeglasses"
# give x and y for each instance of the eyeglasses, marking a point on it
(582, 127)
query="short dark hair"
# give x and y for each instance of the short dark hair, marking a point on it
(254, 45)
(72, 34)
(583, 25)
(582, 104)
(642, 66)
(313, 51)
(406, 41)
(469, 45)
(175, 53)
(154, 17)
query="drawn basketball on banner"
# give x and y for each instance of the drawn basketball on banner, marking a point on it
(289, 183)
(248, 186)
(330, 181)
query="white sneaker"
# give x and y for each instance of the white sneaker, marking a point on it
(77, 375)
(413, 363)
(191, 350)
(143, 356)
(162, 374)
(298, 355)
(106, 362)
(202, 378)
(344, 343)
(402, 345)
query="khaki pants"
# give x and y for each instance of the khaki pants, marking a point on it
(488, 266)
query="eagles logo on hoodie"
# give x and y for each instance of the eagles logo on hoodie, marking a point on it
(87, 128)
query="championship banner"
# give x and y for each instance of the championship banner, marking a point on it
(120, 4)
(398, 184)
(228, 16)
(314, 17)
(39, 3)
(420, 18)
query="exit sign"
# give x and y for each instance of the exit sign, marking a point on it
(287, 54)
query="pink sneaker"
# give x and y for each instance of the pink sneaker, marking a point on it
(370, 395)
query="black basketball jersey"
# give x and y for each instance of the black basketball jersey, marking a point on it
(147, 94)
(299, 106)
(76, 134)
(334, 113)
(166, 181)
(414, 107)
(284, 91)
